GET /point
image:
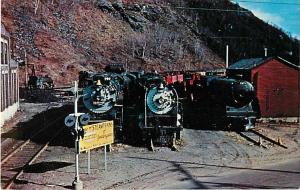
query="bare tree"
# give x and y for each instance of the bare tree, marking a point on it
(36, 5)
(198, 49)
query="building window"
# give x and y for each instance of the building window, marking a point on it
(2, 92)
(5, 54)
(6, 91)
(9, 89)
(15, 87)
(2, 53)
(11, 94)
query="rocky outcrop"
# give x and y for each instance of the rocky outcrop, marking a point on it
(135, 19)
(152, 13)
(118, 5)
(136, 15)
(105, 5)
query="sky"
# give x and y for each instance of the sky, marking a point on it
(282, 13)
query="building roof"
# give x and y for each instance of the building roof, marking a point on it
(254, 62)
(4, 31)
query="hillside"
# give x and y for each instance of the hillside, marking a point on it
(246, 35)
(63, 37)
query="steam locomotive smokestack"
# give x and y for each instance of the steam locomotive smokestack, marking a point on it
(227, 58)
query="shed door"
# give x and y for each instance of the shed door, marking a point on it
(276, 102)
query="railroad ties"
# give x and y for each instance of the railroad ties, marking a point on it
(256, 137)
(63, 94)
(24, 152)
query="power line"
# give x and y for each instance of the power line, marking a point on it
(265, 2)
(233, 37)
(208, 9)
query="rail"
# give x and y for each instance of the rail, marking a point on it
(24, 155)
(30, 148)
(260, 136)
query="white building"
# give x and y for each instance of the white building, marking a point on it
(9, 80)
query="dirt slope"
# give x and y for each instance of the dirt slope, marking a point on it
(64, 37)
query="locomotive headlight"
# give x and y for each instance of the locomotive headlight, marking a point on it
(161, 86)
(98, 83)
(178, 116)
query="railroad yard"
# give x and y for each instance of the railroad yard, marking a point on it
(205, 158)
(118, 94)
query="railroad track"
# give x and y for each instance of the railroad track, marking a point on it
(255, 137)
(15, 144)
(24, 154)
(64, 94)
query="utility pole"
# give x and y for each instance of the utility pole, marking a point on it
(266, 52)
(227, 54)
(26, 69)
(77, 184)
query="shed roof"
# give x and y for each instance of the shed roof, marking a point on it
(254, 62)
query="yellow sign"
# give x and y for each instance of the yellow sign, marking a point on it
(97, 135)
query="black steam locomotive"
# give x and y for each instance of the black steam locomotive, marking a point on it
(145, 109)
(103, 96)
(40, 82)
(221, 102)
(156, 113)
(142, 106)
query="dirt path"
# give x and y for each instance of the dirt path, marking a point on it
(204, 155)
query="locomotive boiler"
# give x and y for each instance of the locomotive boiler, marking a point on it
(155, 114)
(221, 102)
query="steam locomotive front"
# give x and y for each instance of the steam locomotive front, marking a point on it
(159, 106)
(157, 109)
(242, 93)
(102, 95)
(221, 101)
(161, 99)
(234, 93)
(239, 97)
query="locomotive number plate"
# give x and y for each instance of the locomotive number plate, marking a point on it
(97, 135)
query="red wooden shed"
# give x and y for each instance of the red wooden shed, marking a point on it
(276, 82)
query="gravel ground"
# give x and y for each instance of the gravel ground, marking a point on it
(204, 153)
